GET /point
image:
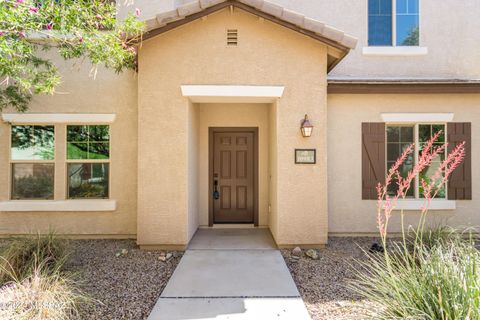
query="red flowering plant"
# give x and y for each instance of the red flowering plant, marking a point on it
(433, 276)
(387, 202)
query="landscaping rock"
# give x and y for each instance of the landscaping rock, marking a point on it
(312, 254)
(294, 258)
(120, 288)
(323, 283)
(297, 252)
(168, 256)
(122, 253)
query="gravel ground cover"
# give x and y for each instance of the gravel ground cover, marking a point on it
(322, 282)
(123, 286)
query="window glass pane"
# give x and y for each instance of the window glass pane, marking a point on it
(402, 6)
(77, 150)
(88, 180)
(393, 134)
(32, 181)
(98, 150)
(436, 128)
(406, 135)
(404, 169)
(88, 142)
(426, 175)
(425, 132)
(77, 133)
(393, 152)
(407, 23)
(399, 138)
(98, 133)
(413, 6)
(33, 143)
(380, 22)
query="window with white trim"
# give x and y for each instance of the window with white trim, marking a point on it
(399, 137)
(88, 161)
(393, 22)
(32, 155)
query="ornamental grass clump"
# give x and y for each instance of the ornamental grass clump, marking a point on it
(441, 282)
(20, 258)
(45, 294)
(429, 274)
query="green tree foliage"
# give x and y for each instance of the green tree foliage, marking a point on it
(412, 39)
(73, 28)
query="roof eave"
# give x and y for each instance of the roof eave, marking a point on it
(403, 86)
(334, 59)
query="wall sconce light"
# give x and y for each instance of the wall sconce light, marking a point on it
(306, 127)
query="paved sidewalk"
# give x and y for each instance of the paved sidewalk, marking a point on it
(230, 274)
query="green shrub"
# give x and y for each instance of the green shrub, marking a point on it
(437, 280)
(440, 235)
(22, 255)
(43, 294)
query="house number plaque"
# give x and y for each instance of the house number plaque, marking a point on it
(305, 156)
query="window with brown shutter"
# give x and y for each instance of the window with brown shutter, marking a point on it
(373, 158)
(460, 183)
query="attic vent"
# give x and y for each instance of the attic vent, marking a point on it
(232, 37)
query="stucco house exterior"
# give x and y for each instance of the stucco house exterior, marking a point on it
(207, 132)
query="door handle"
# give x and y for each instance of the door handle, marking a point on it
(216, 194)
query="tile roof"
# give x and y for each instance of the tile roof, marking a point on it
(319, 28)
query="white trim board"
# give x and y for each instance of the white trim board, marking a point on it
(417, 117)
(58, 117)
(418, 204)
(64, 205)
(394, 51)
(231, 93)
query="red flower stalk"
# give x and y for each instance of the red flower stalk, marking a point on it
(387, 203)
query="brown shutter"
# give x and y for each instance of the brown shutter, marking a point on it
(373, 158)
(460, 183)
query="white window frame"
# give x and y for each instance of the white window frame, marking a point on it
(12, 162)
(59, 121)
(89, 161)
(393, 49)
(415, 156)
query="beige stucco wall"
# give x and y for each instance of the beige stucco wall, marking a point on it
(348, 213)
(193, 169)
(196, 53)
(452, 39)
(80, 93)
(273, 169)
(234, 115)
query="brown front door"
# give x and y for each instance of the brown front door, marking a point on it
(233, 175)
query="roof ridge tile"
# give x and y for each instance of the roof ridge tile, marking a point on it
(268, 7)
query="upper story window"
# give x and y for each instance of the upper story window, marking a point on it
(393, 22)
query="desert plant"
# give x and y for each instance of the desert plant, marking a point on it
(430, 274)
(20, 258)
(437, 235)
(442, 282)
(45, 294)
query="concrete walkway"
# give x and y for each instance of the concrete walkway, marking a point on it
(230, 274)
